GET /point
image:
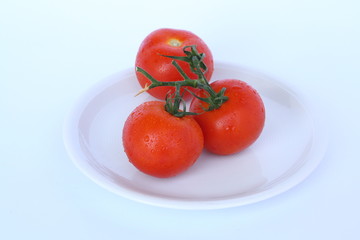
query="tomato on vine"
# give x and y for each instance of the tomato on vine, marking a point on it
(164, 42)
(225, 117)
(237, 123)
(159, 143)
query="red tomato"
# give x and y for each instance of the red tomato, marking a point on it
(237, 123)
(169, 42)
(160, 144)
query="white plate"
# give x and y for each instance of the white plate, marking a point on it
(290, 147)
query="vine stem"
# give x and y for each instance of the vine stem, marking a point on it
(155, 83)
(200, 83)
(195, 60)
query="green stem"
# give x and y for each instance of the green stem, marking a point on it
(155, 83)
(180, 70)
(197, 66)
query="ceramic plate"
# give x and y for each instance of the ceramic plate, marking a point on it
(288, 150)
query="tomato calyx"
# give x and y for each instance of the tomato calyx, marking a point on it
(193, 58)
(197, 66)
(213, 101)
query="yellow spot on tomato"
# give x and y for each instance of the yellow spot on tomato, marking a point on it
(174, 42)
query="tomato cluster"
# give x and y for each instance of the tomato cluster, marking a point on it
(225, 117)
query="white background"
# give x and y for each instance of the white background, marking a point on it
(52, 51)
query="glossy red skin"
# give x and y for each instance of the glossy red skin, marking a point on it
(237, 123)
(156, 44)
(160, 144)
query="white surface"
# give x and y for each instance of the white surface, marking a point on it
(92, 136)
(52, 51)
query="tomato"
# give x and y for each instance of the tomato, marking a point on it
(237, 123)
(169, 42)
(160, 144)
